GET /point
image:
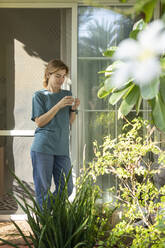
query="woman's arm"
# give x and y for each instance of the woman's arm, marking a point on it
(44, 119)
(72, 117)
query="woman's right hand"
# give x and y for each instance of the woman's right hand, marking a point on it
(44, 119)
(65, 101)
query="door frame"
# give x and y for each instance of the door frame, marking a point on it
(73, 7)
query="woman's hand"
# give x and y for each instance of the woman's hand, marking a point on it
(48, 116)
(76, 103)
(65, 101)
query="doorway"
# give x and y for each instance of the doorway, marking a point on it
(29, 39)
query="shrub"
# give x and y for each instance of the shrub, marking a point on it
(130, 158)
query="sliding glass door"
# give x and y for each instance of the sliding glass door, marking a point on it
(29, 39)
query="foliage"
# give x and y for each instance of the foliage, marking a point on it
(130, 159)
(83, 223)
(141, 84)
(133, 92)
(65, 224)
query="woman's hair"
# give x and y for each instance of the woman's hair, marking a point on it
(53, 66)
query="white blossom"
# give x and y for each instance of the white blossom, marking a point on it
(141, 57)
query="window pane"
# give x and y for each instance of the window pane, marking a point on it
(100, 28)
(90, 82)
(95, 126)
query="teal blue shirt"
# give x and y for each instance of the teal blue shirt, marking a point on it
(53, 138)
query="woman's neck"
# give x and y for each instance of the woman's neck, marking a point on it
(53, 89)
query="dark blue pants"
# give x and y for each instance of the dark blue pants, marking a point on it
(46, 166)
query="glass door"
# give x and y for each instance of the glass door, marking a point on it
(99, 28)
(29, 39)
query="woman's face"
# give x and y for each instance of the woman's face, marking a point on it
(56, 79)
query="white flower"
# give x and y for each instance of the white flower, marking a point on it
(141, 57)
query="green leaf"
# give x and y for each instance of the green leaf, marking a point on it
(145, 6)
(101, 72)
(163, 15)
(109, 70)
(149, 91)
(116, 96)
(138, 26)
(129, 90)
(110, 51)
(138, 104)
(41, 236)
(158, 113)
(162, 198)
(162, 88)
(162, 61)
(22, 234)
(161, 226)
(81, 227)
(79, 244)
(8, 243)
(133, 34)
(103, 93)
(107, 85)
(129, 102)
(152, 102)
(148, 9)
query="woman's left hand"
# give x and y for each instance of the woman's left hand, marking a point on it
(76, 103)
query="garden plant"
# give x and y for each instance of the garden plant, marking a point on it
(137, 69)
(139, 197)
(64, 224)
(137, 74)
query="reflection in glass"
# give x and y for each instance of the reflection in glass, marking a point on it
(89, 84)
(94, 127)
(100, 28)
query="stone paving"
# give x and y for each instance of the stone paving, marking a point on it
(10, 233)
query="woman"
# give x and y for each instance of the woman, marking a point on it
(53, 110)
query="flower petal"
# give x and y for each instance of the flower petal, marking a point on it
(146, 71)
(161, 44)
(150, 36)
(121, 76)
(127, 49)
(151, 32)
